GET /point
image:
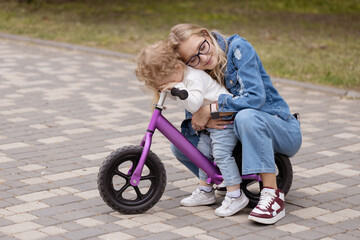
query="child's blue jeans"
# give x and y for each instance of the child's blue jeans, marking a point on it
(218, 145)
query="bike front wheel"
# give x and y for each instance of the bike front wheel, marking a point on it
(114, 180)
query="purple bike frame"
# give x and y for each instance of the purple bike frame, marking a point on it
(174, 136)
(189, 150)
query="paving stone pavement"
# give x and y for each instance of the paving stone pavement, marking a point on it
(62, 112)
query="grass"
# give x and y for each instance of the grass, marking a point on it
(313, 41)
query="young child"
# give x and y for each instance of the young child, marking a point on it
(160, 68)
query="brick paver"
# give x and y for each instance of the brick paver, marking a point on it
(62, 112)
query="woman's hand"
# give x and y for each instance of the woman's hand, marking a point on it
(200, 118)
(218, 123)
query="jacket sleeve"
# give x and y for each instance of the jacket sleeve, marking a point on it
(250, 90)
(196, 90)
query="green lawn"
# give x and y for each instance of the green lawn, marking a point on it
(307, 40)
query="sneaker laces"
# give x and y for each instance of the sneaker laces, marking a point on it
(265, 199)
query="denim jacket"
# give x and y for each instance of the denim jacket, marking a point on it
(247, 80)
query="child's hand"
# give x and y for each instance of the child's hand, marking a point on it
(168, 86)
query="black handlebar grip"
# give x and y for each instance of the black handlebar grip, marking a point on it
(182, 94)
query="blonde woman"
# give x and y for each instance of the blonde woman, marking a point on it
(263, 122)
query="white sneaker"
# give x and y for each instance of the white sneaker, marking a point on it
(199, 198)
(230, 206)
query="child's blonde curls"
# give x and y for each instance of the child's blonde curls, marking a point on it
(155, 62)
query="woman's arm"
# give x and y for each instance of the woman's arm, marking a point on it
(251, 93)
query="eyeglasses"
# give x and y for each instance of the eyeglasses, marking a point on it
(203, 49)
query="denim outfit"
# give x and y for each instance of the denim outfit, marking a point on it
(263, 122)
(219, 145)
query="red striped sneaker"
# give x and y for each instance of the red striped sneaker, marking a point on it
(271, 207)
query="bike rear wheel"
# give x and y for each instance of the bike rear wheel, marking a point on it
(114, 181)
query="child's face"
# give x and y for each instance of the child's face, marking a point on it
(176, 76)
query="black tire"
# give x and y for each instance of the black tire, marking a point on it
(284, 177)
(114, 181)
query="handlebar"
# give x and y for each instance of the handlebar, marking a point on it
(182, 94)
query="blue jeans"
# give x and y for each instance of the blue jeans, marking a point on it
(219, 145)
(261, 135)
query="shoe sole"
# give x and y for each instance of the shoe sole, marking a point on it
(232, 213)
(199, 204)
(268, 220)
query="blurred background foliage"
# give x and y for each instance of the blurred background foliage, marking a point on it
(315, 41)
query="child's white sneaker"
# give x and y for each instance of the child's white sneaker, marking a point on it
(230, 206)
(199, 198)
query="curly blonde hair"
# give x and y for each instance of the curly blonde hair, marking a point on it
(182, 32)
(155, 62)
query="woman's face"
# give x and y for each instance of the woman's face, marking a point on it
(204, 50)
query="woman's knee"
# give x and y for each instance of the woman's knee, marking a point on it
(247, 119)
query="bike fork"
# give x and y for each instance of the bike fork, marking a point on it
(136, 174)
(146, 143)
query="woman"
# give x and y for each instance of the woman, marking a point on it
(263, 122)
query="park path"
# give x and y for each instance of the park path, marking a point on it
(62, 112)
